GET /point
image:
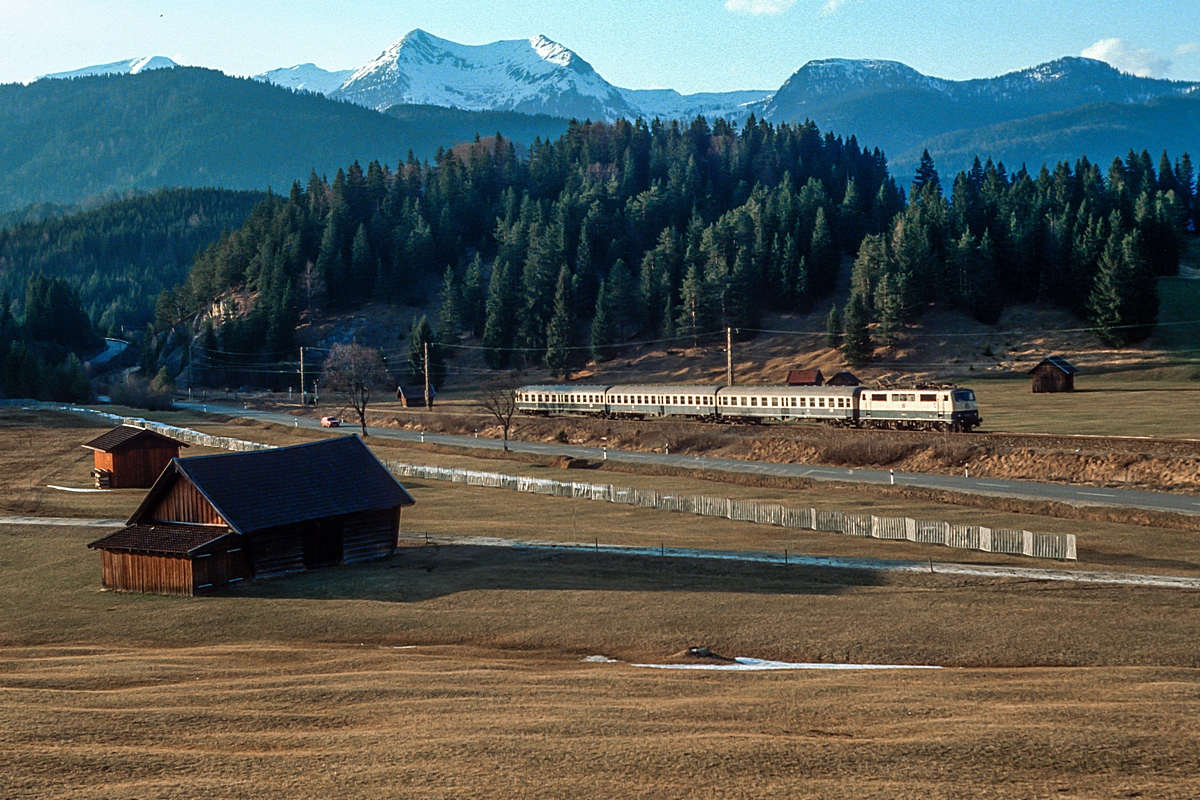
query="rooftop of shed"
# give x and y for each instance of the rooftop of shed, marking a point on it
(1059, 362)
(161, 538)
(129, 436)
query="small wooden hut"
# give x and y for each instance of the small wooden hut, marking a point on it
(1054, 374)
(414, 396)
(805, 377)
(129, 457)
(843, 379)
(213, 521)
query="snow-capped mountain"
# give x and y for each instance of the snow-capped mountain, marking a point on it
(534, 76)
(130, 66)
(828, 87)
(670, 104)
(306, 77)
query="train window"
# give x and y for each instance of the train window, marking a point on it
(822, 402)
(774, 401)
(964, 395)
(743, 401)
(753, 401)
(929, 398)
(839, 402)
(879, 398)
(793, 402)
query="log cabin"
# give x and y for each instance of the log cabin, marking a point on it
(211, 522)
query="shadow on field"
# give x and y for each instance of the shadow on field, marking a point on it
(1129, 562)
(421, 573)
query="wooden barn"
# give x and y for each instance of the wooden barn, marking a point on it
(213, 521)
(1054, 374)
(414, 396)
(805, 377)
(130, 457)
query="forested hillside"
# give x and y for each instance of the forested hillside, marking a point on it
(121, 256)
(628, 230)
(67, 140)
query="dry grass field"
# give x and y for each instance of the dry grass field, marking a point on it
(458, 672)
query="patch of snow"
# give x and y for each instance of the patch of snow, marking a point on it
(306, 77)
(759, 665)
(130, 66)
(600, 660)
(69, 489)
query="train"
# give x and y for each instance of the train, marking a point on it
(940, 408)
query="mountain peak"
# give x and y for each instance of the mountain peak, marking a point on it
(130, 66)
(534, 75)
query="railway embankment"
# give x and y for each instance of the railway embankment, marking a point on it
(1152, 464)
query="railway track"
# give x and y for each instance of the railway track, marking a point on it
(1049, 442)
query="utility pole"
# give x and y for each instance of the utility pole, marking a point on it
(428, 400)
(729, 356)
(303, 393)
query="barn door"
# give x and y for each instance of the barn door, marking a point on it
(322, 543)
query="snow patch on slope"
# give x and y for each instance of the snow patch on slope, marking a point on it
(130, 66)
(306, 77)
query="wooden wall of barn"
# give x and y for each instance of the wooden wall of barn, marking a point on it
(370, 534)
(222, 563)
(277, 551)
(184, 503)
(364, 536)
(139, 467)
(137, 572)
(1048, 378)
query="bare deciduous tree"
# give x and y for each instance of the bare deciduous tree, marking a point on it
(355, 372)
(499, 400)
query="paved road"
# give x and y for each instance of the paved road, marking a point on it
(994, 487)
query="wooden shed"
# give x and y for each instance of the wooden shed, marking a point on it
(414, 396)
(1054, 374)
(129, 457)
(843, 379)
(212, 521)
(805, 377)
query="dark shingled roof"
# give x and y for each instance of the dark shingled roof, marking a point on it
(805, 377)
(268, 488)
(162, 538)
(121, 436)
(1061, 363)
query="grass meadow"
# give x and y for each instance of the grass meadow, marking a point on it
(459, 672)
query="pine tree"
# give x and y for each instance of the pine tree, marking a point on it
(603, 333)
(450, 307)
(421, 336)
(697, 314)
(833, 328)
(499, 326)
(927, 180)
(558, 332)
(362, 263)
(856, 347)
(1124, 300)
(474, 298)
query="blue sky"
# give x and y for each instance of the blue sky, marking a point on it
(689, 45)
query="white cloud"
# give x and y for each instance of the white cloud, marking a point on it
(832, 5)
(759, 7)
(1189, 49)
(1127, 58)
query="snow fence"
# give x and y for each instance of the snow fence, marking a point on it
(1059, 546)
